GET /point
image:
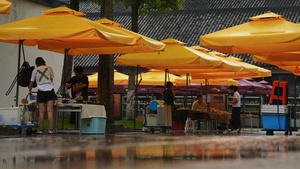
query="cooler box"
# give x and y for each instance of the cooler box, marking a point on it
(10, 115)
(164, 115)
(272, 120)
(151, 119)
(93, 125)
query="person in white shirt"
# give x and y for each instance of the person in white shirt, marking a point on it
(43, 75)
(236, 109)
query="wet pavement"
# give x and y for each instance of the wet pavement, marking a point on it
(143, 150)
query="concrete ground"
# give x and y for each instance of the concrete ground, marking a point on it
(144, 150)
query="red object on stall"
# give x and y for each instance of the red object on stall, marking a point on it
(279, 92)
(178, 125)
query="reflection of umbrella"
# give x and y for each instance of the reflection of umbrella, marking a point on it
(156, 77)
(268, 32)
(5, 7)
(175, 53)
(119, 78)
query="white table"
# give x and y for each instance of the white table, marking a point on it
(84, 110)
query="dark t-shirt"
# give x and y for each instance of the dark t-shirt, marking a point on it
(168, 97)
(84, 79)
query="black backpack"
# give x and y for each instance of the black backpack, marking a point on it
(25, 75)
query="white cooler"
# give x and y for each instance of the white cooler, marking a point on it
(10, 115)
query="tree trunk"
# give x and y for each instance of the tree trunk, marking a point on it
(135, 16)
(74, 4)
(130, 94)
(131, 82)
(106, 85)
(106, 71)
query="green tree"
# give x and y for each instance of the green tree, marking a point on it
(143, 7)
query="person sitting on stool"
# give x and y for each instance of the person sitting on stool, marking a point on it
(199, 104)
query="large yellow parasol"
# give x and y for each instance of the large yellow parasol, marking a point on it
(119, 78)
(268, 32)
(5, 7)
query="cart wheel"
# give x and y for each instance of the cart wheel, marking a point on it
(152, 130)
(291, 133)
(29, 131)
(19, 130)
(270, 133)
(163, 130)
(286, 133)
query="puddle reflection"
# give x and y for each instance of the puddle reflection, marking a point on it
(115, 152)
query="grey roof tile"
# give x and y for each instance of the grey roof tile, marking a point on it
(198, 17)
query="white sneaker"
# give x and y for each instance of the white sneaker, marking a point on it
(39, 132)
(234, 131)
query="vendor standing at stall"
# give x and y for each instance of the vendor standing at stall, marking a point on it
(43, 75)
(199, 104)
(168, 94)
(79, 84)
(79, 88)
(236, 109)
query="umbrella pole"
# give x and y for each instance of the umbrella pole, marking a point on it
(187, 90)
(201, 89)
(295, 103)
(166, 70)
(152, 93)
(19, 62)
(18, 69)
(206, 89)
(137, 83)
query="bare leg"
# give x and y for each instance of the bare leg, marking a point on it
(50, 112)
(41, 115)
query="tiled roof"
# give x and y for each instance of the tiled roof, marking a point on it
(198, 17)
(53, 3)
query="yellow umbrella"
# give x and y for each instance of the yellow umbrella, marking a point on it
(246, 67)
(277, 57)
(175, 53)
(119, 78)
(63, 28)
(224, 75)
(285, 60)
(268, 32)
(5, 7)
(142, 44)
(157, 77)
(230, 64)
(182, 81)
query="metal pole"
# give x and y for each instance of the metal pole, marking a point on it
(166, 70)
(19, 63)
(187, 90)
(295, 104)
(136, 98)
